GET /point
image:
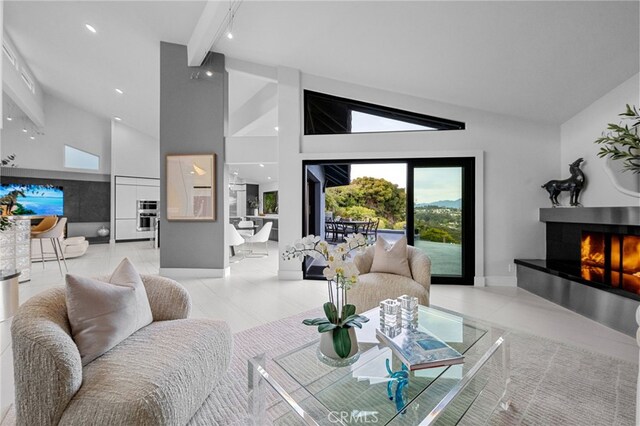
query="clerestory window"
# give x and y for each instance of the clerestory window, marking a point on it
(327, 114)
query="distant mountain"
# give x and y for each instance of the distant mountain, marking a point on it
(453, 204)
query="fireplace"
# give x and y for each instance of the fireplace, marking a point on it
(611, 259)
(592, 264)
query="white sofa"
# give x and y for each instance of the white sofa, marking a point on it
(72, 247)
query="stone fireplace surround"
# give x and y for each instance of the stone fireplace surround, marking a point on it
(558, 278)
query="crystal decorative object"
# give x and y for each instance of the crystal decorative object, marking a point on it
(408, 311)
(390, 319)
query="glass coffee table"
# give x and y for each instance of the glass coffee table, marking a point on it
(314, 393)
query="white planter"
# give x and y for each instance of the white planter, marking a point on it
(327, 349)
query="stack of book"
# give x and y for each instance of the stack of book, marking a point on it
(419, 349)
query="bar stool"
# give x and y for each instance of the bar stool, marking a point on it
(45, 224)
(54, 234)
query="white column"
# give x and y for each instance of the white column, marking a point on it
(290, 172)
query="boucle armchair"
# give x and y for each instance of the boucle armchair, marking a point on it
(160, 375)
(374, 287)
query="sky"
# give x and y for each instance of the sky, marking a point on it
(431, 184)
(393, 172)
(437, 184)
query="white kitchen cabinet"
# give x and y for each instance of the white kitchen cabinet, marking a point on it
(126, 229)
(148, 193)
(127, 193)
(126, 196)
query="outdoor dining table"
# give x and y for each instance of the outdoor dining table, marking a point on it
(347, 227)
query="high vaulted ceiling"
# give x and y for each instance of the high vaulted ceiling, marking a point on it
(85, 68)
(542, 60)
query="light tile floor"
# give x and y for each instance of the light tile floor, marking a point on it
(254, 295)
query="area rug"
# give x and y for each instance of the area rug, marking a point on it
(552, 383)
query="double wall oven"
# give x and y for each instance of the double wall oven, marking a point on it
(146, 214)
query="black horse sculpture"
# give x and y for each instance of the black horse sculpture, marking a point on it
(574, 185)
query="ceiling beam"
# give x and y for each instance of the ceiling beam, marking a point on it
(208, 30)
(264, 72)
(260, 104)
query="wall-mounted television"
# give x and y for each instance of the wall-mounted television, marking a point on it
(42, 200)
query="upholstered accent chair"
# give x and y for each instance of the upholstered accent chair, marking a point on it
(160, 375)
(374, 287)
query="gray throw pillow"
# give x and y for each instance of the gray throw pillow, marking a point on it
(391, 260)
(103, 314)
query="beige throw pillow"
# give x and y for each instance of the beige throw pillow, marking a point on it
(391, 260)
(103, 314)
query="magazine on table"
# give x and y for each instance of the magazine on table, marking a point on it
(419, 350)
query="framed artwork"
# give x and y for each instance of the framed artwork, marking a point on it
(270, 202)
(191, 187)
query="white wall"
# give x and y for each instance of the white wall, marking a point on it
(65, 125)
(578, 135)
(31, 102)
(134, 153)
(514, 154)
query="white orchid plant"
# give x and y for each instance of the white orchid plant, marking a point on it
(341, 275)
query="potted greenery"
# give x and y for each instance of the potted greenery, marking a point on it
(253, 205)
(337, 329)
(622, 142)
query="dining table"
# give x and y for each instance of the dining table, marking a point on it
(346, 227)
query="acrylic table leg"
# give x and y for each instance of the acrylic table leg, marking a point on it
(505, 399)
(256, 403)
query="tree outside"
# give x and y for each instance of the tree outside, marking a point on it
(369, 198)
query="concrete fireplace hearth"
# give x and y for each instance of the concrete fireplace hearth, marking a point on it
(592, 263)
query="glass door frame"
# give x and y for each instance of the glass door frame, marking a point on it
(467, 164)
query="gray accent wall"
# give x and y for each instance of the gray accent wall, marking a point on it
(192, 120)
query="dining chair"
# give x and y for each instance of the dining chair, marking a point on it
(329, 230)
(375, 228)
(235, 240)
(262, 236)
(53, 235)
(248, 224)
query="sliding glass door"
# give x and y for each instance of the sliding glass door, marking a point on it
(440, 218)
(431, 201)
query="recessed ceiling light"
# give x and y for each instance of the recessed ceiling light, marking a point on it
(192, 172)
(24, 130)
(9, 118)
(115, 117)
(90, 28)
(209, 73)
(235, 173)
(261, 165)
(230, 35)
(269, 177)
(32, 137)
(276, 128)
(119, 92)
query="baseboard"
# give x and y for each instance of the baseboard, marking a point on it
(501, 281)
(289, 275)
(181, 273)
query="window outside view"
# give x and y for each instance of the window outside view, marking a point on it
(438, 217)
(378, 192)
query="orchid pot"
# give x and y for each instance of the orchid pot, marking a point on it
(337, 328)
